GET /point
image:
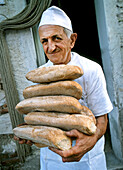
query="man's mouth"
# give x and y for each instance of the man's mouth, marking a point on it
(54, 52)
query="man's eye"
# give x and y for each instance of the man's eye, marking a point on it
(43, 41)
(57, 38)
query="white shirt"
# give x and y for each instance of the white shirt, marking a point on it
(96, 98)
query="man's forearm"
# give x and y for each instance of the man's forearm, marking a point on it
(102, 122)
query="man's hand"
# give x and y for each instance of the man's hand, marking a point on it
(84, 143)
(23, 141)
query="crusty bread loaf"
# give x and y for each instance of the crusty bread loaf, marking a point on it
(86, 111)
(49, 103)
(53, 103)
(54, 73)
(65, 121)
(48, 136)
(68, 88)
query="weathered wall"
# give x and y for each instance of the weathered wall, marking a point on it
(23, 58)
(110, 29)
(10, 8)
(119, 14)
(119, 92)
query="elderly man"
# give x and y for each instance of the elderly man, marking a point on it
(87, 153)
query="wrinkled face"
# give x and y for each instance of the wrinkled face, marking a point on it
(57, 46)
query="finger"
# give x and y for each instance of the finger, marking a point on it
(29, 142)
(67, 153)
(73, 133)
(58, 151)
(71, 152)
(22, 124)
(22, 141)
(72, 159)
(16, 138)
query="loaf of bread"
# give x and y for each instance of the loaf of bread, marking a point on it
(49, 103)
(64, 121)
(68, 88)
(54, 73)
(43, 135)
(86, 111)
(65, 104)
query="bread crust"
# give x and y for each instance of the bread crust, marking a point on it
(49, 103)
(68, 88)
(64, 121)
(45, 136)
(54, 73)
(65, 104)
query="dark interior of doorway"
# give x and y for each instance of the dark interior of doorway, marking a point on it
(82, 15)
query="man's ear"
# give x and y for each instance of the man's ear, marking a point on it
(73, 39)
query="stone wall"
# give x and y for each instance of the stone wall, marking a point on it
(8, 153)
(5, 123)
(119, 14)
(110, 28)
(3, 104)
(23, 59)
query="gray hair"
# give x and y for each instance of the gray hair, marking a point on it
(68, 32)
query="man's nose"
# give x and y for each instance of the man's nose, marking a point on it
(51, 46)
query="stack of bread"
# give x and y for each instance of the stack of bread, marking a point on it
(52, 107)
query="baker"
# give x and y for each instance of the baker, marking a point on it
(87, 153)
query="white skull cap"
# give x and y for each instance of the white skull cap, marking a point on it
(55, 16)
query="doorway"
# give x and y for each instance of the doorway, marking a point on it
(82, 15)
